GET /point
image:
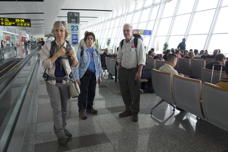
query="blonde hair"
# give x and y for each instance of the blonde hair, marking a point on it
(57, 24)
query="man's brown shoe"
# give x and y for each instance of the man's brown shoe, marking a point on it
(82, 115)
(125, 114)
(92, 111)
(134, 118)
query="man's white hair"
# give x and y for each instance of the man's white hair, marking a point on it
(127, 24)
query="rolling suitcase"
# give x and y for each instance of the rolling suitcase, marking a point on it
(220, 72)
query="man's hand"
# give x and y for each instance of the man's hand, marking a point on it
(138, 75)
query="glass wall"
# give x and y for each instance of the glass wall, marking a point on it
(202, 23)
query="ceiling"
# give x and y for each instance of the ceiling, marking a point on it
(43, 14)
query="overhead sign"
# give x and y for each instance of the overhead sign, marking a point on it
(73, 17)
(74, 33)
(142, 32)
(15, 22)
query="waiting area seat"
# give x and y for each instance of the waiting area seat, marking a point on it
(159, 64)
(187, 94)
(211, 76)
(215, 105)
(206, 101)
(162, 87)
(150, 64)
(196, 68)
(183, 66)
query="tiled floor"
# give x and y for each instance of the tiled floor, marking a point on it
(108, 133)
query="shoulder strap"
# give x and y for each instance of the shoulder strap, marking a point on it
(135, 42)
(121, 43)
(96, 51)
(68, 46)
(53, 47)
(82, 51)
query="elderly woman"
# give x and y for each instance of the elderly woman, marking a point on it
(87, 74)
(57, 59)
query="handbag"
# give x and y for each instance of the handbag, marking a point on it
(74, 89)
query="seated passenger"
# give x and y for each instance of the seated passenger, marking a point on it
(224, 81)
(168, 67)
(178, 54)
(219, 61)
(103, 56)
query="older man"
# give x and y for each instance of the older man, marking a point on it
(131, 58)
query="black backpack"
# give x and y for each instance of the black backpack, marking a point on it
(136, 37)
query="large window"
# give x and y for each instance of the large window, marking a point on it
(142, 25)
(146, 40)
(169, 8)
(180, 25)
(139, 4)
(174, 41)
(129, 18)
(154, 12)
(185, 6)
(145, 15)
(164, 26)
(148, 3)
(196, 42)
(150, 25)
(159, 43)
(222, 24)
(225, 3)
(136, 17)
(207, 4)
(219, 41)
(201, 22)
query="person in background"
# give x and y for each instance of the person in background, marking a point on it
(131, 60)
(2, 44)
(196, 52)
(151, 53)
(200, 54)
(103, 56)
(216, 52)
(178, 54)
(182, 45)
(220, 60)
(191, 55)
(224, 81)
(57, 58)
(88, 74)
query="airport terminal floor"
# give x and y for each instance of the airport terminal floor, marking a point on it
(106, 132)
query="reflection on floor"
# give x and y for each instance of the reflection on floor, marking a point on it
(107, 133)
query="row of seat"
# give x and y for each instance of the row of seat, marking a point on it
(205, 100)
(194, 68)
